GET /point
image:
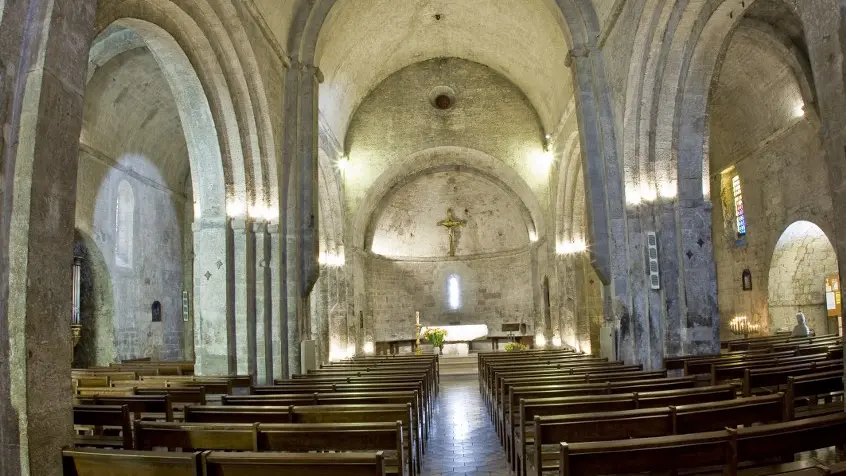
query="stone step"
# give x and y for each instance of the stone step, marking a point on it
(455, 365)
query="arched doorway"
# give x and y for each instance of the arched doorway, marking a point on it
(802, 260)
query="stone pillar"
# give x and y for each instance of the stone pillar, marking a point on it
(212, 305)
(278, 324)
(701, 330)
(43, 50)
(244, 271)
(263, 318)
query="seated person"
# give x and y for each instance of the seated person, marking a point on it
(801, 329)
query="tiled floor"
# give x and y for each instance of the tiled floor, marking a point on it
(462, 439)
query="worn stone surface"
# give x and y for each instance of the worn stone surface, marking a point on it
(492, 290)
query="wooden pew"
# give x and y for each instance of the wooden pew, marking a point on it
(812, 386)
(719, 448)
(273, 464)
(552, 407)
(339, 398)
(651, 422)
(100, 416)
(313, 414)
(506, 382)
(569, 390)
(98, 462)
(196, 436)
(88, 392)
(386, 437)
(773, 378)
(140, 406)
(179, 396)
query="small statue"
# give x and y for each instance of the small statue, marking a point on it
(801, 329)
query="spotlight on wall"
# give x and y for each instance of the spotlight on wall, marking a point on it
(542, 160)
(571, 247)
(350, 351)
(368, 348)
(343, 164)
(236, 208)
(556, 341)
(332, 260)
(799, 110)
(533, 236)
(540, 341)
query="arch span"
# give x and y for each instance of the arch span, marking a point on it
(802, 259)
(204, 153)
(426, 161)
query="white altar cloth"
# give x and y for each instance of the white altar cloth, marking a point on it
(464, 333)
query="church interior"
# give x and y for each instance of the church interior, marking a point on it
(422, 237)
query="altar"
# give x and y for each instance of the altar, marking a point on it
(458, 337)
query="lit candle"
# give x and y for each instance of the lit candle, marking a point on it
(417, 317)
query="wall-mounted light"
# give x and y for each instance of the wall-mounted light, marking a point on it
(343, 164)
(368, 348)
(799, 110)
(533, 236)
(571, 247)
(556, 341)
(236, 208)
(332, 260)
(542, 160)
(540, 340)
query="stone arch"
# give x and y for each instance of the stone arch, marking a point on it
(330, 205)
(696, 66)
(97, 344)
(580, 27)
(441, 158)
(206, 161)
(802, 258)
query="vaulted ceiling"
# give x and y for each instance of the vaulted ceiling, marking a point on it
(364, 41)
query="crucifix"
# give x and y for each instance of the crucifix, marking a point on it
(451, 224)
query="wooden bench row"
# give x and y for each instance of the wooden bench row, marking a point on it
(529, 409)
(94, 462)
(725, 449)
(542, 454)
(388, 437)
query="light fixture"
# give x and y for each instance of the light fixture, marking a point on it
(540, 340)
(799, 110)
(533, 236)
(542, 161)
(343, 164)
(556, 341)
(571, 247)
(351, 351)
(368, 348)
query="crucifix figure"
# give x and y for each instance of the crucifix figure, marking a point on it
(451, 224)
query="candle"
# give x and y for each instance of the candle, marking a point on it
(417, 317)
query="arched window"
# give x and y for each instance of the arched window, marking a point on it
(124, 225)
(454, 292)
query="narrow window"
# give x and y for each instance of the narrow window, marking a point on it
(454, 290)
(124, 225)
(738, 205)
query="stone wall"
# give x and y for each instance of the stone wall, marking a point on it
(758, 128)
(155, 272)
(494, 290)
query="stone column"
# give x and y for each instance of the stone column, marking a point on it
(278, 324)
(44, 50)
(212, 305)
(244, 272)
(263, 318)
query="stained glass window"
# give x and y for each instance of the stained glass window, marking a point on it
(738, 205)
